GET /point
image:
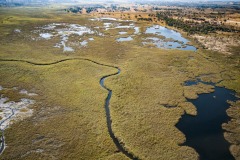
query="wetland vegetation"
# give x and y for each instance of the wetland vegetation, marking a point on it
(83, 92)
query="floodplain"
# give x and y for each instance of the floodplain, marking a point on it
(56, 60)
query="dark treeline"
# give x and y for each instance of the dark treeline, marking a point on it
(89, 9)
(194, 27)
(144, 19)
(93, 8)
(74, 9)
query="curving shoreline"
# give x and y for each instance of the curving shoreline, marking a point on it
(119, 146)
(204, 131)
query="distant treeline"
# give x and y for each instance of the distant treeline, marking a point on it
(144, 19)
(74, 9)
(89, 9)
(204, 5)
(235, 6)
(194, 27)
(93, 8)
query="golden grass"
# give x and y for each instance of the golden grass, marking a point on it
(12, 95)
(189, 108)
(192, 92)
(233, 134)
(70, 112)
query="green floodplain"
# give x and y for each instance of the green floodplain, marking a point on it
(69, 120)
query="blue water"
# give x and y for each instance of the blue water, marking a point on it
(190, 83)
(125, 39)
(204, 132)
(177, 40)
(168, 33)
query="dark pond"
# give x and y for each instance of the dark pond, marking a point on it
(204, 132)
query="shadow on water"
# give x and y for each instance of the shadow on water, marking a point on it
(204, 132)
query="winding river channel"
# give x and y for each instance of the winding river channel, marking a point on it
(108, 116)
(119, 146)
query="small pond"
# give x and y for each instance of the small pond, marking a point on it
(46, 35)
(125, 39)
(123, 33)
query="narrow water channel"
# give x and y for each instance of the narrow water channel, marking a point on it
(204, 132)
(108, 117)
(2, 142)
